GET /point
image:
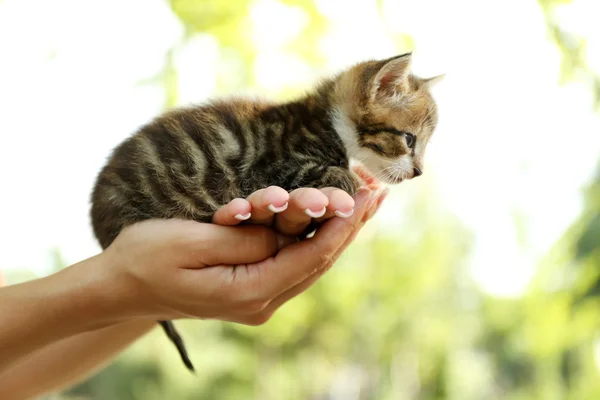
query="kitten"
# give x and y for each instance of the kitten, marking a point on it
(190, 161)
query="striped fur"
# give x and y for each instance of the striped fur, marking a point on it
(190, 161)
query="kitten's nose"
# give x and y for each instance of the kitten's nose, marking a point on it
(417, 172)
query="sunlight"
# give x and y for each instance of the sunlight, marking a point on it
(457, 289)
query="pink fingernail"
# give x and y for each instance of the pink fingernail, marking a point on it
(314, 214)
(242, 217)
(344, 215)
(278, 209)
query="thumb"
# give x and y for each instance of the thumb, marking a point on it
(296, 263)
(230, 245)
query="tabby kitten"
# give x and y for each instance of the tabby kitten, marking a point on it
(189, 162)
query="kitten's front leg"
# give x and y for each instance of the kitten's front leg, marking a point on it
(339, 177)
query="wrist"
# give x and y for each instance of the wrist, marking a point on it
(78, 299)
(86, 295)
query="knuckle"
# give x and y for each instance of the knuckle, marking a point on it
(258, 319)
(258, 235)
(328, 247)
(252, 307)
(347, 226)
(326, 268)
(259, 232)
(325, 259)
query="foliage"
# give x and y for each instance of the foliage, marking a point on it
(573, 48)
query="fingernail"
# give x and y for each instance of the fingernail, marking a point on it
(284, 241)
(314, 214)
(278, 209)
(242, 217)
(344, 215)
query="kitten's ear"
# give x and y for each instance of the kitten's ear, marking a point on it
(431, 82)
(392, 77)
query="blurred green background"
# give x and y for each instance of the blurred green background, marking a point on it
(411, 310)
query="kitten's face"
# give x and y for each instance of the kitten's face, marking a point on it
(389, 123)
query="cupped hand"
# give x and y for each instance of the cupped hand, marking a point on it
(290, 213)
(170, 269)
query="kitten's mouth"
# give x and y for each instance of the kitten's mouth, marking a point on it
(373, 182)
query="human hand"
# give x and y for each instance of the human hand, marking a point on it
(170, 269)
(291, 213)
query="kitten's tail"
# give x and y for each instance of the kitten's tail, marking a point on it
(172, 333)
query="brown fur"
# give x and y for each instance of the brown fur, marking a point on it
(189, 162)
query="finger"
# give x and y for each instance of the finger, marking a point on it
(294, 269)
(272, 306)
(365, 203)
(372, 203)
(267, 202)
(380, 200)
(301, 287)
(377, 197)
(299, 261)
(207, 244)
(233, 213)
(341, 204)
(362, 202)
(370, 181)
(304, 205)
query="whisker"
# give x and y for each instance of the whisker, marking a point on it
(384, 173)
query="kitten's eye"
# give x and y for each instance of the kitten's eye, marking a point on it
(410, 139)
